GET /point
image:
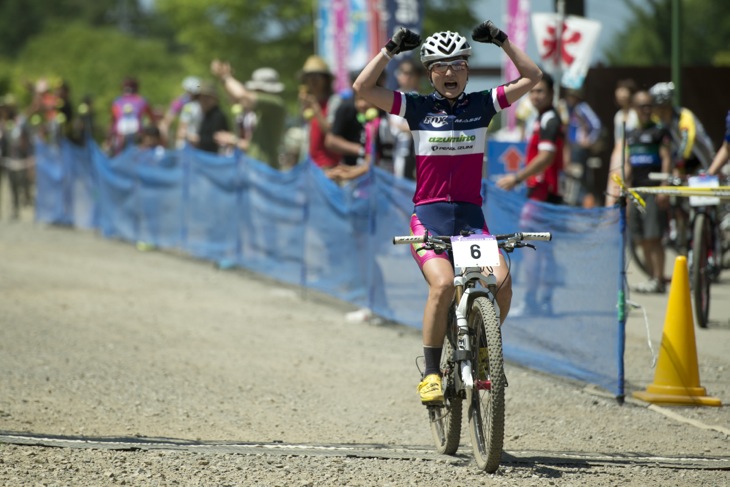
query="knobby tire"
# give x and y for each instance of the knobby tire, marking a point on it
(486, 407)
(446, 419)
(699, 273)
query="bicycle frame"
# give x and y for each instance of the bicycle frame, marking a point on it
(465, 290)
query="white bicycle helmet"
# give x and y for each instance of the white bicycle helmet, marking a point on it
(191, 84)
(662, 93)
(444, 45)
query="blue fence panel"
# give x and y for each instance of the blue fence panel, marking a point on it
(302, 228)
(398, 290)
(336, 236)
(575, 336)
(160, 189)
(118, 195)
(211, 205)
(82, 182)
(272, 213)
(53, 191)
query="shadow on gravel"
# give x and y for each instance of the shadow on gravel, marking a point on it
(542, 462)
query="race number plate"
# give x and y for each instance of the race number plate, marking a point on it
(704, 182)
(475, 251)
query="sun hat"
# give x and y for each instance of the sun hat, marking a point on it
(315, 65)
(265, 79)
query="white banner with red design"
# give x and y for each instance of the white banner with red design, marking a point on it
(570, 53)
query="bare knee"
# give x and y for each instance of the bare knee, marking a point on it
(504, 297)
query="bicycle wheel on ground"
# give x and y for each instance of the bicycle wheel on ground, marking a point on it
(637, 254)
(699, 276)
(446, 419)
(486, 399)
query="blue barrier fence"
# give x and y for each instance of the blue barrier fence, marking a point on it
(301, 228)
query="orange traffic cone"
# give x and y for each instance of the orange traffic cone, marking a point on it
(677, 377)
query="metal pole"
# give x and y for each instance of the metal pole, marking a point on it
(621, 305)
(677, 51)
(558, 51)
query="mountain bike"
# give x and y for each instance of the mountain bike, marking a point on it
(676, 237)
(472, 363)
(705, 247)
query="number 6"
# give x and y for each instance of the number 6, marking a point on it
(476, 251)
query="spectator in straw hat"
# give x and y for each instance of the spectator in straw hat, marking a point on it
(318, 103)
(261, 97)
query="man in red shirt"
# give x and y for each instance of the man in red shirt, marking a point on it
(541, 174)
(544, 150)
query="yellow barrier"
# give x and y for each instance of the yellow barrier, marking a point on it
(722, 192)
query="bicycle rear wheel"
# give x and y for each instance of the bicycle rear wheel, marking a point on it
(446, 419)
(700, 278)
(486, 399)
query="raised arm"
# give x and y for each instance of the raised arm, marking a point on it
(366, 83)
(233, 87)
(530, 74)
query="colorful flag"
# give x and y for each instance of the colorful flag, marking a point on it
(518, 22)
(568, 53)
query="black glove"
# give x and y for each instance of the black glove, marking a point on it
(403, 40)
(488, 32)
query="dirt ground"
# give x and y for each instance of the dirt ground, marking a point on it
(122, 367)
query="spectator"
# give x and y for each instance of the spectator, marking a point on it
(83, 127)
(213, 121)
(44, 111)
(409, 76)
(346, 136)
(353, 165)
(583, 133)
(381, 141)
(723, 154)
(291, 148)
(191, 116)
(16, 151)
(541, 174)
(261, 96)
(318, 104)
(648, 151)
(151, 138)
(692, 149)
(625, 117)
(129, 112)
(191, 87)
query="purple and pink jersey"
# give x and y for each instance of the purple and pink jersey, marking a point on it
(449, 141)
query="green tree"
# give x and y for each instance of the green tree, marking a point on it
(646, 40)
(94, 61)
(276, 33)
(21, 20)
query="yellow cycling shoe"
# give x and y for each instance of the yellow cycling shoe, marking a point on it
(430, 390)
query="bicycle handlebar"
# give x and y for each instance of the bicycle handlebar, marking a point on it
(503, 239)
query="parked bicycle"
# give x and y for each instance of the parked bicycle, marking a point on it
(678, 226)
(705, 247)
(703, 236)
(472, 363)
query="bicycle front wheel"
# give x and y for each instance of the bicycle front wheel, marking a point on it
(699, 271)
(446, 419)
(486, 398)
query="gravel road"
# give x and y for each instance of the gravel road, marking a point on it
(122, 367)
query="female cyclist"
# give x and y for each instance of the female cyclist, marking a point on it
(449, 130)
